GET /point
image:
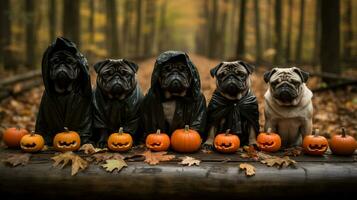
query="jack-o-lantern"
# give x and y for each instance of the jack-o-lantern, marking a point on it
(32, 142)
(226, 142)
(120, 141)
(343, 144)
(315, 144)
(67, 141)
(270, 142)
(185, 140)
(158, 141)
(12, 136)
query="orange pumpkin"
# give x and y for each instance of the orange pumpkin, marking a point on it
(343, 144)
(270, 142)
(226, 142)
(32, 142)
(185, 140)
(315, 144)
(120, 141)
(67, 141)
(12, 136)
(158, 141)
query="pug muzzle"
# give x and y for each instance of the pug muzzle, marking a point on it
(175, 78)
(64, 70)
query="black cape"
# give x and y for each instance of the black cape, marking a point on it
(190, 110)
(111, 114)
(72, 110)
(239, 115)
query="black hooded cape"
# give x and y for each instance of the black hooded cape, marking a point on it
(72, 110)
(190, 110)
(239, 115)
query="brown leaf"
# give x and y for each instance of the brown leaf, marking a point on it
(78, 164)
(153, 158)
(90, 149)
(113, 164)
(250, 152)
(249, 169)
(101, 157)
(187, 160)
(278, 162)
(18, 159)
(294, 151)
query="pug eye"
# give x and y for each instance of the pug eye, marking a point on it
(124, 73)
(273, 84)
(296, 83)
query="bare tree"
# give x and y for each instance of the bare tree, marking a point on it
(138, 27)
(71, 20)
(258, 45)
(30, 34)
(91, 21)
(289, 30)
(112, 28)
(348, 32)
(213, 29)
(52, 19)
(299, 42)
(5, 31)
(317, 34)
(241, 30)
(278, 33)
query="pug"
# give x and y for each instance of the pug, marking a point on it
(288, 105)
(233, 105)
(67, 98)
(117, 99)
(174, 98)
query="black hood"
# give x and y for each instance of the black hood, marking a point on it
(82, 85)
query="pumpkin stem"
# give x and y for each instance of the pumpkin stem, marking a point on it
(187, 127)
(158, 131)
(66, 129)
(316, 132)
(269, 131)
(32, 133)
(228, 131)
(120, 130)
(343, 132)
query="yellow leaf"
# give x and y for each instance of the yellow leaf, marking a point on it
(154, 158)
(77, 162)
(113, 164)
(249, 169)
(187, 160)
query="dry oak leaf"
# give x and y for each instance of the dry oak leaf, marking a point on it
(187, 160)
(250, 152)
(18, 159)
(153, 158)
(113, 164)
(90, 149)
(294, 151)
(278, 162)
(249, 169)
(78, 164)
(101, 157)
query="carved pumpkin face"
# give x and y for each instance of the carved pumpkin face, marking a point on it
(186, 140)
(226, 142)
(12, 136)
(270, 142)
(343, 144)
(120, 141)
(67, 141)
(315, 144)
(158, 141)
(32, 142)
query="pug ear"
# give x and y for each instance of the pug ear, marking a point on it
(303, 75)
(215, 69)
(99, 65)
(268, 74)
(250, 68)
(132, 65)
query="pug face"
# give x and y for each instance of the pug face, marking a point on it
(116, 78)
(232, 78)
(175, 78)
(64, 70)
(286, 84)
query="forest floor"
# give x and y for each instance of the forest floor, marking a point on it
(332, 109)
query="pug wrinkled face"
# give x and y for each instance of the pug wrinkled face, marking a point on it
(175, 78)
(117, 78)
(64, 70)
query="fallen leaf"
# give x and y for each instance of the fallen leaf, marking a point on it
(101, 157)
(113, 164)
(250, 152)
(249, 169)
(153, 158)
(78, 164)
(18, 159)
(278, 162)
(45, 148)
(294, 151)
(187, 160)
(90, 149)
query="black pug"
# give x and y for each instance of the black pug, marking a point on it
(117, 99)
(174, 99)
(67, 99)
(233, 105)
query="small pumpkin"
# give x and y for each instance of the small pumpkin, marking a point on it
(315, 144)
(120, 141)
(269, 142)
(32, 142)
(343, 144)
(185, 140)
(158, 141)
(226, 142)
(67, 141)
(12, 136)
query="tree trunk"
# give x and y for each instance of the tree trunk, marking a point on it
(330, 37)
(299, 42)
(241, 30)
(233, 26)
(201, 38)
(222, 35)
(278, 34)
(71, 20)
(138, 28)
(91, 21)
(317, 34)
(125, 44)
(112, 28)
(213, 29)
(258, 45)
(348, 31)
(52, 19)
(268, 20)
(151, 27)
(162, 27)
(289, 31)
(5, 31)
(30, 34)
